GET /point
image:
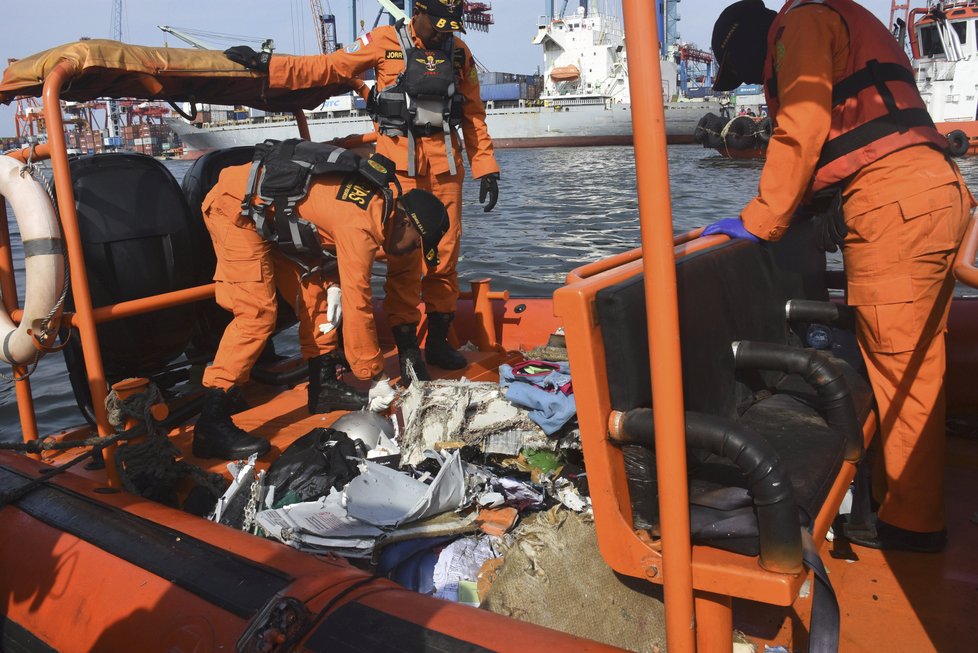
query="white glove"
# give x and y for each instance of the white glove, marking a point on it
(381, 395)
(334, 309)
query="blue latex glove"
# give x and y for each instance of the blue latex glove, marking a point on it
(733, 227)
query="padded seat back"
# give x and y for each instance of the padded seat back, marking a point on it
(732, 292)
(726, 293)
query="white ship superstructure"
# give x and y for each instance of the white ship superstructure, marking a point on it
(944, 48)
(584, 101)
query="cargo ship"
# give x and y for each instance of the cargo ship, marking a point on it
(573, 105)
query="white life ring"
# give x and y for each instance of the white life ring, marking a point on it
(44, 264)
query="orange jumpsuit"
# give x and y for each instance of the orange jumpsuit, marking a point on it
(249, 269)
(906, 214)
(380, 50)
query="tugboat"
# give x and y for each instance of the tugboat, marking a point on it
(89, 565)
(945, 62)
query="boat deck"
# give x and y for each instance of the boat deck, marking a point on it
(896, 601)
(889, 601)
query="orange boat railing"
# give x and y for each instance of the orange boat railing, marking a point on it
(85, 317)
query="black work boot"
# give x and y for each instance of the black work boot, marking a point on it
(216, 436)
(409, 354)
(437, 351)
(327, 392)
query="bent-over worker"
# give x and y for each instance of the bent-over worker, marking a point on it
(349, 216)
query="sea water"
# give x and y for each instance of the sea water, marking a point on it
(558, 209)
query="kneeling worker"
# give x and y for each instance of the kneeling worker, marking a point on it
(348, 205)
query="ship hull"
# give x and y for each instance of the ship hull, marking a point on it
(575, 126)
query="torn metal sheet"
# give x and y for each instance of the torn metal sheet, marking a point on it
(387, 497)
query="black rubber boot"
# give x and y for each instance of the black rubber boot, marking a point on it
(327, 392)
(409, 354)
(437, 351)
(216, 436)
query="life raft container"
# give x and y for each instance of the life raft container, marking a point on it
(43, 262)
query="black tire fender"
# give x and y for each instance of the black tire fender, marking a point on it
(958, 143)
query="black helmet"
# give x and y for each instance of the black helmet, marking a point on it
(740, 43)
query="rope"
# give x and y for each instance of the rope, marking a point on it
(20, 492)
(150, 468)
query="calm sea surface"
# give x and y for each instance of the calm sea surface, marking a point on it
(558, 208)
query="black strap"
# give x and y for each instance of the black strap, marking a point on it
(874, 74)
(898, 121)
(823, 632)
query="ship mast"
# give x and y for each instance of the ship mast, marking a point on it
(112, 107)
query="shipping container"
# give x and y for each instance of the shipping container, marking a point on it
(503, 92)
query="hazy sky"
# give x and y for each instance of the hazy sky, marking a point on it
(506, 47)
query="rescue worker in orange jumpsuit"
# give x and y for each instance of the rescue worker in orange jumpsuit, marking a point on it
(348, 218)
(848, 117)
(416, 58)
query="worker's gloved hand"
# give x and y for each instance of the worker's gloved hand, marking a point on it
(490, 189)
(733, 227)
(334, 309)
(380, 396)
(249, 58)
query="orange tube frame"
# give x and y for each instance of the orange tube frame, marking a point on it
(86, 317)
(655, 214)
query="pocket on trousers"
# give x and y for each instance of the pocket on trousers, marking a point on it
(886, 320)
(931, 221)
(238, 271)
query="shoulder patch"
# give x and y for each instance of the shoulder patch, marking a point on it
(394, 54)
(354, 191)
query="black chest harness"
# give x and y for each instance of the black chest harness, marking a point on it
(423, 101)
(280, 174)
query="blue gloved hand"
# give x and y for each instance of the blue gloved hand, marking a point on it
(733, 227)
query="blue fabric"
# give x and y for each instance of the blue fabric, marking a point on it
(733, 227)
(548, 406)
(411, 563)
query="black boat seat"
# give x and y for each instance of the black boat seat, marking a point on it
(139, 239)
(728, 293)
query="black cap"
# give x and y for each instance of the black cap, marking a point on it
(429, 217)
(740, 43)
(445, 15)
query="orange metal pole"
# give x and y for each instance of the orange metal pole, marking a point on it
(136, 306)
(485, 331)
(8, 286)
(655, 212)
(714, 623)
(41, 152)
(302, 123)
(84, 314)
(611, 262)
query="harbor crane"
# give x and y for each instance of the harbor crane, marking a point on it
(325, 27)
(114, 122)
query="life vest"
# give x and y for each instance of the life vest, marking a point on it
(280, 174)
(423, 101)
(876, 107)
